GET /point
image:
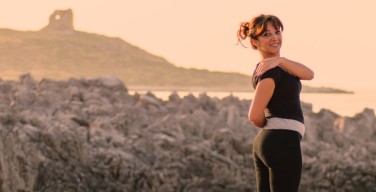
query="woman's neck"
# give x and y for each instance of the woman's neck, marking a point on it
(268, 55)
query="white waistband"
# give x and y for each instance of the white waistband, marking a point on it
(281, 123)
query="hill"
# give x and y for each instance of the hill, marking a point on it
(59, 52)
(81, 54)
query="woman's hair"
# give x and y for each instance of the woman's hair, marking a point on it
(256, 27)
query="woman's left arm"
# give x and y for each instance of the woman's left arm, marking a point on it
(293, 67)
(297, 69)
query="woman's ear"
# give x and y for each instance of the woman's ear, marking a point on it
(254, 42)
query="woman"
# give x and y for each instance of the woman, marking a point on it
(275, 107)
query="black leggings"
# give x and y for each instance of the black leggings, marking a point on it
(278, 160)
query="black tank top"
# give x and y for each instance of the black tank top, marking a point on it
(285, 102)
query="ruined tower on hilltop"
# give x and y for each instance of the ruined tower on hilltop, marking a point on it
(61, 22)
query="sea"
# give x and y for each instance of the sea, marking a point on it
(342, 104)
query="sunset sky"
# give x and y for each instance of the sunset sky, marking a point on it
(335, 38)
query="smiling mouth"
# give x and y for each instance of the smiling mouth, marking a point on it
(274, 44)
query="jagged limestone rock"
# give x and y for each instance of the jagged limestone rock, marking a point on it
(91, 135)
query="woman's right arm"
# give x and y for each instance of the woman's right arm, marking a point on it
(263, 92)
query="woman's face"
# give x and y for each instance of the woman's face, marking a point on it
(269, 43)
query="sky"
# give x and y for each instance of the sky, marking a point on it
(335, 38)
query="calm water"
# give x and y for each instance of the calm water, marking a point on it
(342, 104)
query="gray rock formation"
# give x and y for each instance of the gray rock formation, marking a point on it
(91, 135)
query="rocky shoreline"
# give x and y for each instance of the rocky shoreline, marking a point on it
(91, 135)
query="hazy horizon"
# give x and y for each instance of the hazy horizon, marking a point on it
(325, 35)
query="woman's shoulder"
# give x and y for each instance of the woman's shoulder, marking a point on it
(274, 73)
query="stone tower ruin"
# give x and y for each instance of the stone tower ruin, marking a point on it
(61, 21)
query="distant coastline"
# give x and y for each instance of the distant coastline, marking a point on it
(325, 90)
(305, 89)
(193, 89)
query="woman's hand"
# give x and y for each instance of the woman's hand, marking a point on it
(267, 64)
